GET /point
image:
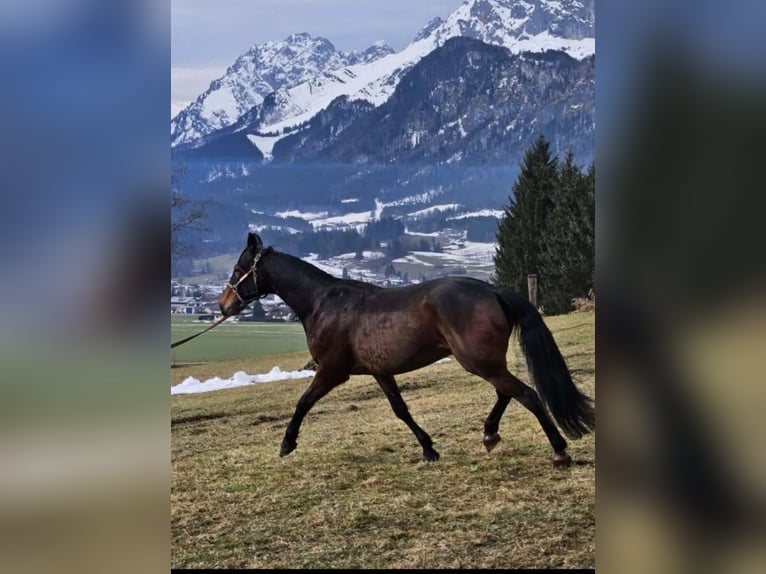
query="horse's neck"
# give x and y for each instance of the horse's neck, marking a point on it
(298, 283)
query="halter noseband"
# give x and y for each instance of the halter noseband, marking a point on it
(244, 276)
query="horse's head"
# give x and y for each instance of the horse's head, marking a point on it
(245, 284)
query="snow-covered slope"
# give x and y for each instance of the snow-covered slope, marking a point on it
(258, 72)
(523, 25)
(373, 82)
(305, 74)
(519, 25)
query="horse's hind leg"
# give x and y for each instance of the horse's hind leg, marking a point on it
(322, 384)
(388, 384)
(508, 385)
(491, 436)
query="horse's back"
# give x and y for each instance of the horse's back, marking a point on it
(402, 329)
(459, 300)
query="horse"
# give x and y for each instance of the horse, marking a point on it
(357, 328)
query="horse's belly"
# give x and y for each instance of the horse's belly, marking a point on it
(398, 352)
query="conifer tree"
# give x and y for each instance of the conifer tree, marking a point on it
(567, 257)
(521, 230)
(589, 223)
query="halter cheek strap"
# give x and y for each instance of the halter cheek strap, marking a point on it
(244, 276)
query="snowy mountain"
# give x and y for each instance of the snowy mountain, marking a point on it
(519, 25)
(466, 101)
(261, 70)
(430, 137)
(522, 25)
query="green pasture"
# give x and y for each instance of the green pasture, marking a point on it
(233, 341)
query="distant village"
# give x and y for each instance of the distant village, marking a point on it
(201, 301)
(196, 288)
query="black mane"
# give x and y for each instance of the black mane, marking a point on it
(311, 272)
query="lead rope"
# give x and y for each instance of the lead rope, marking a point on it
(223, 318)
(187, 339)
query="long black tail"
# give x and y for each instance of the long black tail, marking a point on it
(572, 410)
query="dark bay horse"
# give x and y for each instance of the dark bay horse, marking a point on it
(355, 328)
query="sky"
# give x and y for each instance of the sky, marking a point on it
(208, 35)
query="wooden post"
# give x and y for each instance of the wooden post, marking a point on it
(532, 289)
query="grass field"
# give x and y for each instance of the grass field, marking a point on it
(356, 494)
(232, 341)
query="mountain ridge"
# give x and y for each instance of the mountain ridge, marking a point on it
(260, 71)
(466, 102)
(519, 25)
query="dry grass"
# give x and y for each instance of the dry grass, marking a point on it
(355, 494)
(585, 303)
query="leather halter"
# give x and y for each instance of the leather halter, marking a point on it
(243, 277)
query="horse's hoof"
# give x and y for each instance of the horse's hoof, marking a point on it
(562, 460)
(287, 448)
(430, 455)
(490, 441)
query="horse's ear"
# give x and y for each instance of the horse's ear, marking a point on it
(254, 242)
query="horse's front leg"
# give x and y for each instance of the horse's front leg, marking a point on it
(322, 384)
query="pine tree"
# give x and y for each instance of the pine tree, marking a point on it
(588, 219)
(568, 257)
(558, 258)
(521, 230)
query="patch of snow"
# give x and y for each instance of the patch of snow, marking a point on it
(365, 255)
(412, 258)
(481, 213)
(419, 234)
(471, 254)
(459, 123)
(220, 105)
(379, 206)
(259, 228)
(473, 250)
(415, 138)
(344, 221)
(302, 215)
(433, 208)
(239, 379)
(265, 144)
(415, 199)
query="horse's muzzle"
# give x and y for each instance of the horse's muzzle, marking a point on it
(229, 303)
(230, 309)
